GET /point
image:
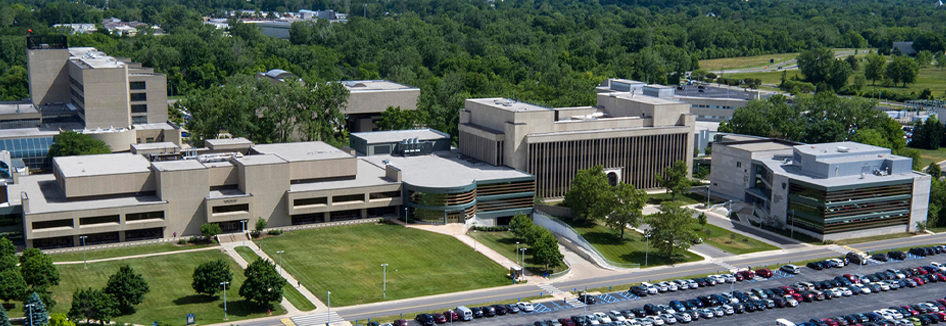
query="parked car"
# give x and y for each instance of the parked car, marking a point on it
(763, 272)
(477, 312)
(512, 308)
(501, 309)
(898, 255)
(880, 257)
(638, 290)
(400, 322)
(526, 307)
(791, 269)
(425, 319)
(586, 299)
(451, 315)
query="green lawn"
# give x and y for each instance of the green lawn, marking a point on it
(685, 198)
(124, 251)
(289, 291)
(745, 62)
(873, 238)
(932, 156)
(347, 261)
(171, 297)
(720, 238)
(929, 77)
(505, 244)
(630, 250)
(770, 77)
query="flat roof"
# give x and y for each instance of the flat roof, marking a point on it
(229, 192)
(17, 107)
(159, 125)
(158, 145)
(178, 165)
(103, 164)
(303, 151)
(229, 141)
(443, 169)
(657, 86)
(644, 98)
(716, 93)
(373, 85)
(46, 131)
(509, 105)
(843, 149)
(391, 136)
(763, 147)
(46, 196)
(262, 159)
(778, 166)
(93, 58)
(368, 175)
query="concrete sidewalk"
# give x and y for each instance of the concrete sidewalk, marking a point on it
(137, 256)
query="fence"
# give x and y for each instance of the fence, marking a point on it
(558, 227)
(562, 273)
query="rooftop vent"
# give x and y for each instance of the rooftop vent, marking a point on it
(843, 149)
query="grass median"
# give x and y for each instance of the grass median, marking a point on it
(171, 297)
(505, 244)
(730, 241)
(289, 291)
(346, 260)
(105, 253)
(629, 250)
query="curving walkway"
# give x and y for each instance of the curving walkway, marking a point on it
(137, 256)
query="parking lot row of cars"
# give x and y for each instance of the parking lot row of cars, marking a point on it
(919, 314)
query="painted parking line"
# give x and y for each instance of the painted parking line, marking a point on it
(540, 308)
(557, 306)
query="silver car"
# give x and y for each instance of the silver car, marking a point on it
(683, 317)
(668, 319)
(706, 313)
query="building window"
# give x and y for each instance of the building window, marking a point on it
(231, 208)
(139, 108)
(310, 201)
(149, 140)
(99, 220)
(144, 216)
(141, 119)
(384, 195)
(738, 164)
(348, 198)
(139, 97)
(136, 85)
(52, 224)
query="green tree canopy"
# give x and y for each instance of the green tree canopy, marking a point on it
(38, 270)
(903, 69)
(34, 310)
(590, 196)
(522, 227)
(819, 66)
(209, 275)
(128, 288)
(676, 179)
(68, 143)
(671, 229)
(875, 68)
(545, 250)
(260, 225)
(394, 118)
(58, 320)
(934, 170)
(6, 247)
(4, 319)
(12, 285)
(263, 285)
(93, 305)
(210, 230)
(629, 203)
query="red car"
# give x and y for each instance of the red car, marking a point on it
(787, 289)
(439, 318)
(919, 281)
(566, 322)
(830, 322)
(797, 297)
(451, 315)
(739, 277)
(940, 277)
(764, 272)
(912, 311)
(939, 316)
(851, 278)
(747, 274)
(400, 322)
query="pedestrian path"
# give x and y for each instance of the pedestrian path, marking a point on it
(316, 319)
(136, 256)
(729, 267)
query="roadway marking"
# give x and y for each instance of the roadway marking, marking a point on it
(287, 322)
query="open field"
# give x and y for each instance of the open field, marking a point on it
(928, 156)
(745, 62)
(631, 250)
(289, 291)
(771, 77)
(171, 297)
(124, 251)
(929, 77)
(505, 244)
(720, 238)
(347, 261)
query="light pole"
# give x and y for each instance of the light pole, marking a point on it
(384, 281)
(280, 258)
(647, 249)
(243, 222)
(405, 215)
(707, 196)
(30, 306)
(84, 262)
(474, 240)
(224, 285)
(522, 261)
(517, 252)
(328, 315)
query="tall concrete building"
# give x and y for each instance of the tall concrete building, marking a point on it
(828, 191)
(634, 137)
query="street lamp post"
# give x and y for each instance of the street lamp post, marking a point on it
(647, 250)
(243, 222)
(707, 196)
(280, 258)
(384, 281)
(84, 262)
(522, 260)
(224, 285)
(30, 306)
(474, 240)
(328, 317)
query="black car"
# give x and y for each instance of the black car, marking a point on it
(477, 312)
(639, 313)
(638, 291)
(880, 257)
(651, 309)
(501, 309)
(817, 265)
(579, 320)
(425, 319)
(918, 252)
(898, 255)
(697, 303)
(739, 308)
(488, 311)
(587, 299)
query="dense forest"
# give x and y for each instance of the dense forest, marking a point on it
(548, 52)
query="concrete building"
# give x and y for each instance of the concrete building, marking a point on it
(828, 191)
(707, 103)
(158, 190)
(634, 137)
(368, 98)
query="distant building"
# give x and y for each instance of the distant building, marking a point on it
(368, 98)
(117, 26)
(708, 103)
(905, 48)
(276, 75)
(79, 28)
(827, 191)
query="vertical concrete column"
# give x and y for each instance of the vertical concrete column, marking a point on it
(121, 236)
(328, 217)
(364, 213)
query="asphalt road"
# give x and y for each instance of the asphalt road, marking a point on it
(824, 309)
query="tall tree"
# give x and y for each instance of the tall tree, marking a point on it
(90, 304)
(6, 247)
(208, 277)
(820, 66)
(924, 58)
(394, 118)
(590, 196)
(934, 170)
(676, 179)
(875, 68)
(38, 270)
(671, 228)
(4, 319)
(941, 60)
(545, 250)
(12, 285)
(34, 310)
(903, 69)
(260, 225)
(128, 288)
(522, 226)
(68, 143)
(263, 285)
(628, 208)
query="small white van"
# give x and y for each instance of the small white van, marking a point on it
(783, 322)
(467, 314)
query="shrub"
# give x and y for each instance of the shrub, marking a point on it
(274, 232)
(182, 241)
(500, 228)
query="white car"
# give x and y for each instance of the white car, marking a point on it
(666, 309)
(644, 321)
(938, 266)
(895, 314)
(727, 309)
(806, 285)
(633, 322)
(720, 279)
(884, 313)
(591, 320)
(897, 272)
(651, 289)
(884, 286)
(682, 285)
(790, 301)
(616, 316)
(730, 278)
(692, 284)
(672, 287)
(668, 319)
(525, 306)
(683, 317)
(864, 289)
(706, 313)
(845, 291)
(654, 320)
(838, 262)
(602, 318)
(929, 306)
(893, 285)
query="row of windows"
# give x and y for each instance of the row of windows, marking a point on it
(136, 85)
(231, 208)
(139, 119)
(78, 96)
(27, 147)
(17, 124)
(435, 199)
(139, 108)
(76, 83)
(706, 106)
(139, 97)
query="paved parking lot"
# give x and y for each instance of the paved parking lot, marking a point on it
(824, 309)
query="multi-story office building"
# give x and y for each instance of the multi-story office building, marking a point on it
(828, 191)
(707, 103)
(158, 190)
(634, 137)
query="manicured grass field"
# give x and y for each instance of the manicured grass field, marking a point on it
(720, 238)
(745, 62)
(171, 297)
(631, 250)
(685, 198)
(874, 238)
(505, 244)
(929, 77)
(347, 260)
(289, 291)
(928, 156)
(771, 77)
(124, 251)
